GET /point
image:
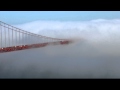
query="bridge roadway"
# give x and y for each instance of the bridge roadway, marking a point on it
(30, 46)
(14, 39)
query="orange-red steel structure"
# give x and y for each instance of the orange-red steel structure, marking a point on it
(14, 39)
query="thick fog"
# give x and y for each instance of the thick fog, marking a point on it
(95, 52)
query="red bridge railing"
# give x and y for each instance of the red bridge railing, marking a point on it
(13, 39)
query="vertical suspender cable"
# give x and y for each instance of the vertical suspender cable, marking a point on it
(16, 37)
(19, 37)
(8, 36)
(12, 37)
(5, 35)
(1, 35)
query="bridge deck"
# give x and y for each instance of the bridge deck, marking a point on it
(14, 39)
(23, 47)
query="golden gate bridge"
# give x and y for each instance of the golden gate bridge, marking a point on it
(14, 39)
